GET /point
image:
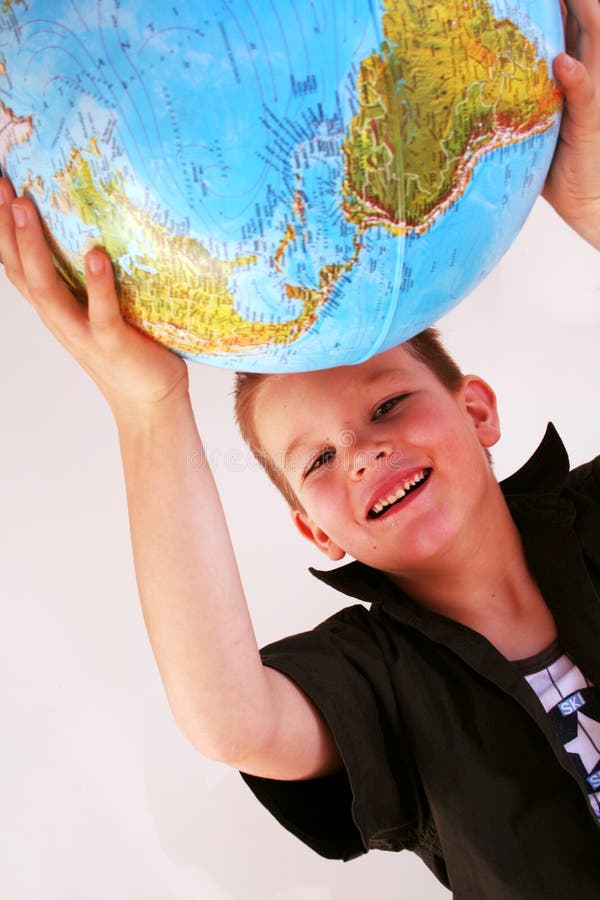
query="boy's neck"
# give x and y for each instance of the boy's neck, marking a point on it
(485, 583)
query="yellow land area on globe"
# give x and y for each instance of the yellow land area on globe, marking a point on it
(173, 287)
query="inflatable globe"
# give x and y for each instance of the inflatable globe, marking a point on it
(285, 185)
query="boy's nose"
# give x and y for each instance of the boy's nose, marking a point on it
(365, 459)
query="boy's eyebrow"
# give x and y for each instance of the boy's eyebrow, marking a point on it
(305, 437)
(386, 373)
(294, 446)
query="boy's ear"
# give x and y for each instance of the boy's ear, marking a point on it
(480, 404)
(316, 535)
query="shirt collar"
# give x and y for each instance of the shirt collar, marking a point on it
(545, 473)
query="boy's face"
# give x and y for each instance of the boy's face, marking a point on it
(350, 440)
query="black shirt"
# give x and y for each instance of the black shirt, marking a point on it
(447, 750)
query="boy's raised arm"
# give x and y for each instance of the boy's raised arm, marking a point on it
(573, 184)
(225, 701)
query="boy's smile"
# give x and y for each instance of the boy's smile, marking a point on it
(409, 483)
(388, 465)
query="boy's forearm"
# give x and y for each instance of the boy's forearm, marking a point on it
(192, 598)
(223, 699)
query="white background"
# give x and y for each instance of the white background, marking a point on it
(100, 796)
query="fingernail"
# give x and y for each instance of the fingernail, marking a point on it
(568, 62)
(20, 216)
(95, 264)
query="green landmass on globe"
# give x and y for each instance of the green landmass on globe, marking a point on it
(467, 84)
(449, 84)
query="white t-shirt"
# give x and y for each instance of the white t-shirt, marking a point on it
(573, 705)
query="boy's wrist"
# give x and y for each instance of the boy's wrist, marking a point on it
(143, 416)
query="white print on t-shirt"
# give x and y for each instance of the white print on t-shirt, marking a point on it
(573, 705)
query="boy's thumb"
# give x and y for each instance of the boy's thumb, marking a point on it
(103, 305)
(578, 88)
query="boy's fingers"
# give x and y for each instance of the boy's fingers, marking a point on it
(587, 12)
(582, 33)
(34, 256)
(44, 287)
(7, 194)
(571, 36)
(30, 266)
(9, 251)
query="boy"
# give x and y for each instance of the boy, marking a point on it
(420, 718)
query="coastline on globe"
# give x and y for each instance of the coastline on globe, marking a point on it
(283, 189)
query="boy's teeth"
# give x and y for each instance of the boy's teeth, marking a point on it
(383, 502)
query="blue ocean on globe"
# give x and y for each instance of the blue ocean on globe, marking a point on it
(281, 186)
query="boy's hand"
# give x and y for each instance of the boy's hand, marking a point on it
(573, 184)
(133, 371)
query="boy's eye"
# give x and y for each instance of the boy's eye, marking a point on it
(323, 459)
(388, 405)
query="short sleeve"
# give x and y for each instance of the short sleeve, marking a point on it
(375, 801)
